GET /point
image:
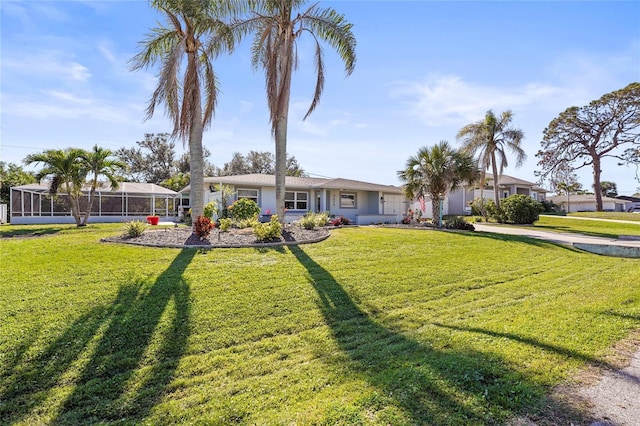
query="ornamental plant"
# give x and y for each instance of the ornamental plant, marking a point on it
(225, 224)
(521, 209)
(203, 226)
(268, 231)
(134, 228)
(244, 209)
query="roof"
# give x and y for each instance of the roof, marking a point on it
(262, 180)
(123, 188)
(583, 198)
(629, 198)
(510, 180)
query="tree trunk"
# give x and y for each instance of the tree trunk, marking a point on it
(74, 204)
(435, 209)
(496, 178)
(597, 188)
(285, 63)
(92, 194)
(195, 149)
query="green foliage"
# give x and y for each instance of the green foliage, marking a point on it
(135, 228)
(176, 182)
(482, 207)
(225, 224)
(209, 209)
(521, 209)
(12, 175)
(311, 220)
(458, 222)
(203, 226)
(244, 209)
(261, 162)
(268, 231)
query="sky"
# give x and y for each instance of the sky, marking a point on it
(424, 70)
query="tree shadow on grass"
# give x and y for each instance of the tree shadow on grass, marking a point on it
(427, 385)
(132, 348)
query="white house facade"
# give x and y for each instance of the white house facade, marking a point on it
(458, 202)
(587, 203)
(362, 202)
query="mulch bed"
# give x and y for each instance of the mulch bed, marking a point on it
(182, 236)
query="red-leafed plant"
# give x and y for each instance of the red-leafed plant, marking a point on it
(203, 226)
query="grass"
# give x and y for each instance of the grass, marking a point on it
(598, 228)
(372, 326)
(635, 217)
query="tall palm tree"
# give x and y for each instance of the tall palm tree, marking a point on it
(66, 170)
(197, 34)
(277, 26)
(490, 138)
(99, 163)
(435, 171)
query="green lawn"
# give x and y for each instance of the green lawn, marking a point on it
(609, 215)
(598, 228)
(372, 326)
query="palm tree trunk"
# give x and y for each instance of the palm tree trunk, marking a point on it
(75, 204)
(285, 62)
(435, 209)
(496, 179)
(196, 167)
(92, 194)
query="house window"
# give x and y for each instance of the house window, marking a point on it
(505, 194)
(296, 200)
(249, 194)
(347, 200)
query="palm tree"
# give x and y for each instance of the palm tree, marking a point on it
(98, 163)
(490, 138)
(66, 170)
(196, 33)
(435, 171)
(274, 49)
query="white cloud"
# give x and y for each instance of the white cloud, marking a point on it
(106, 48)
(445, 100)
(51, 64)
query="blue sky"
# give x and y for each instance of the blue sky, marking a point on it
(424, 70)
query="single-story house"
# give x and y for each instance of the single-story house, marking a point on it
(458, 202)
(362, 202)
(629, 202)
(32, 203)
(586, 203)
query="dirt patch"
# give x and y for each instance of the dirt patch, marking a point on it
(599, 395)
(181, 237)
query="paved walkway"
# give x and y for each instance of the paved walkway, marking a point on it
(598, 245)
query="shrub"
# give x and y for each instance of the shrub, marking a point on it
(135, 228)
(225, 224)
(521, 209)
(458, 222)
(203, 226)
(268, 231)
(482, 207)
(246, 223)
(310, 220)
(244, 209)
(209, 209)
(340, 220)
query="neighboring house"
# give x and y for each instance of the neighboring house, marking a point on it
(629, 202)
(586, 203)
(362, 202)
(130, 201)
(458, 202)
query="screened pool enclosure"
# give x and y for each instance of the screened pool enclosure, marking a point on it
(130, 201)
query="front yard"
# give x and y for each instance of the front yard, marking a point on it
(372, 326)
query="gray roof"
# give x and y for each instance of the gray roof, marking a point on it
(292, 182)
(574, 198)
(510, 180)
(123, 187)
